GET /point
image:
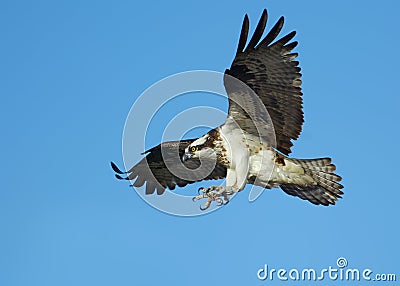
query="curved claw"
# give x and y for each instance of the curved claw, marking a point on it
(200, 189)
(193, 199)
(203, 209)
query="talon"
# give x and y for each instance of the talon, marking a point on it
(200, 189)
(219, 201)
(206, 206)
(217, 194)
(226, 197)
(199, 197)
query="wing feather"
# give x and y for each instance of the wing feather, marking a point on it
(258, 31)
(153, 169)
(269, 69)
(243, 35)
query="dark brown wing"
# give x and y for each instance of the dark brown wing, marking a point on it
(269, 68)
(153, 169)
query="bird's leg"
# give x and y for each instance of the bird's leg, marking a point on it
(220, 194)
(234, 184)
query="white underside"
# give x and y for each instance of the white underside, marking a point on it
(252, 159)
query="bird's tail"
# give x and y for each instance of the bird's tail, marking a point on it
(326, 188)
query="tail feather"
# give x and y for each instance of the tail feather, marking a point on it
(328, 182)
(321, 164)
(329, 176)
(325, 190)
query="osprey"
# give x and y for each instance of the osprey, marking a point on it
(252, 146)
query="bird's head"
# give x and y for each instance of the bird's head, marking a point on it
(200, 148)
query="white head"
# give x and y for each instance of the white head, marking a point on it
(202, 147)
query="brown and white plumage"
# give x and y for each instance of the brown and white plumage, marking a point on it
(251, 147)
(153, 170)
(269, 68)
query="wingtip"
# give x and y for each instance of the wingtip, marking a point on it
(258, 31)
(293, 34)
(243, 35)
(116, 169)
(119, 177)
(246, 24)
(264, 14)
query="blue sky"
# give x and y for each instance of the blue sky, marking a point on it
(70, 71)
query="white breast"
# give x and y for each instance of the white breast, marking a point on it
(260, 159)
(262, 166)
(260, 156)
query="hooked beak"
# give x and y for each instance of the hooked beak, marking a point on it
(186, 157)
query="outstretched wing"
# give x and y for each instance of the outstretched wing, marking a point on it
(162, 168)
(269, 68)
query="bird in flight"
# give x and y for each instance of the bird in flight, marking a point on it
(252, 146)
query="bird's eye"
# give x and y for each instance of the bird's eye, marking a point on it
(193, 149)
